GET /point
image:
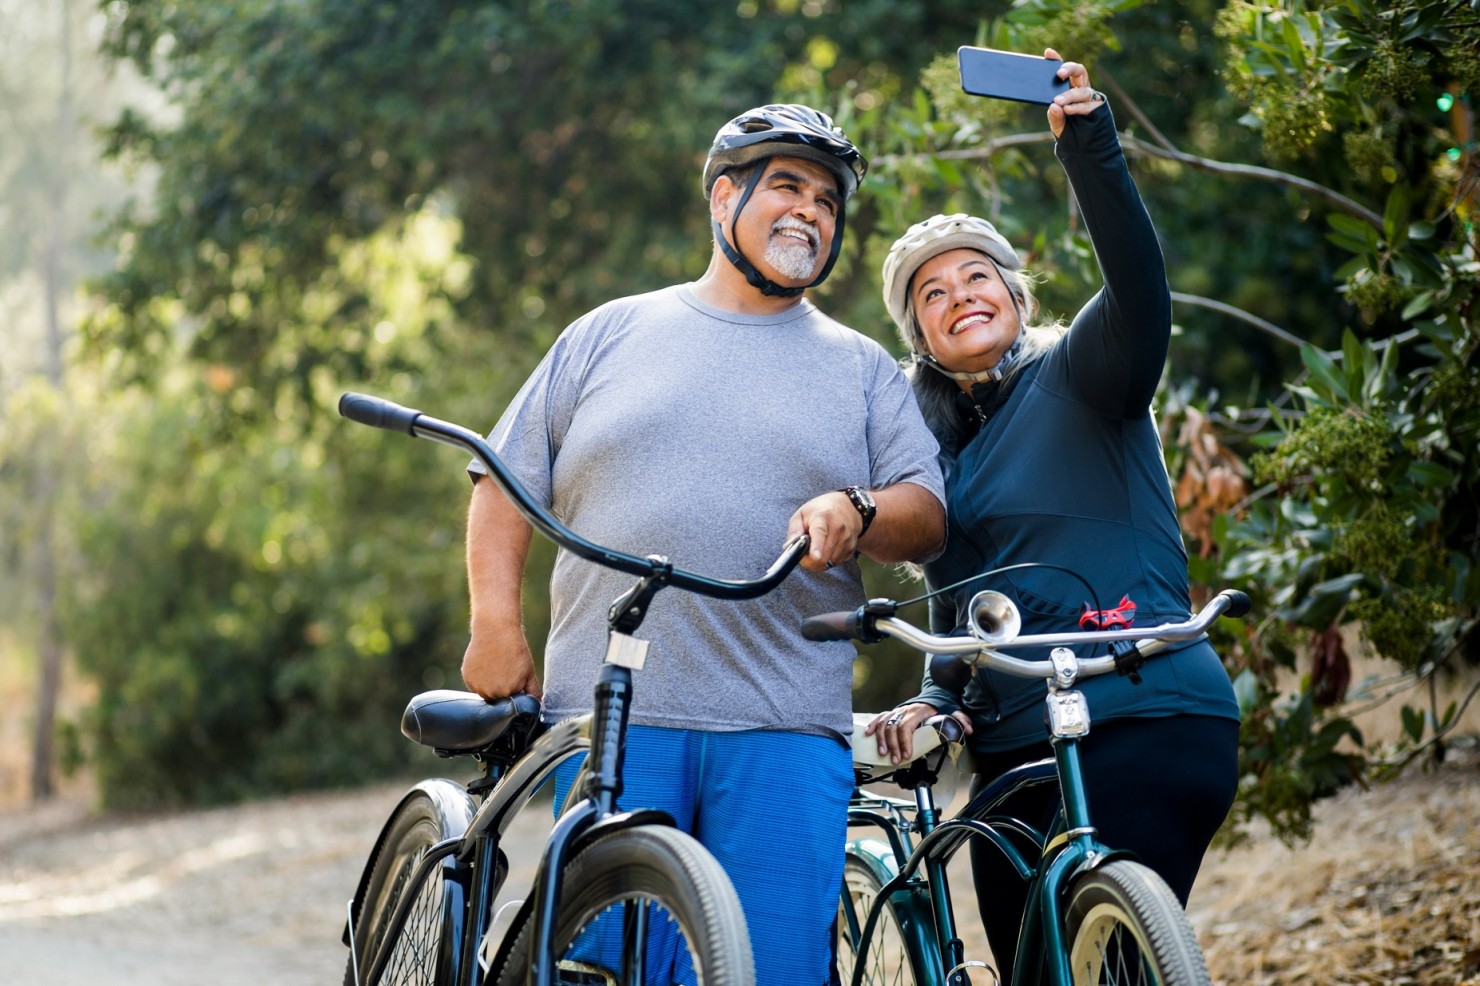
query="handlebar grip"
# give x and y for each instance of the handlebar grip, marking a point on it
(950, 672)
(378, 412)
(831, 626)
(1239, 603)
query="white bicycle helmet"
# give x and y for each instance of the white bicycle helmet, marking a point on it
(928, 239)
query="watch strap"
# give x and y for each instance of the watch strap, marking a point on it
(863, 501)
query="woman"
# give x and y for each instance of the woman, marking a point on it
(1051, 455)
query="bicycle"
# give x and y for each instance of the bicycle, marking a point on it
(422, 911)
(1093, 914)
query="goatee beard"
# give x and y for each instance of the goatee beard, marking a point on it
(792, 261)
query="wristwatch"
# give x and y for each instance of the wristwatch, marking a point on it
(864, 501)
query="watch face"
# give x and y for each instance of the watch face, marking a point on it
(864, 502)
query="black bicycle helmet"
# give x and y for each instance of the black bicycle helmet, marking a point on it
(808, 132)
(788, 130)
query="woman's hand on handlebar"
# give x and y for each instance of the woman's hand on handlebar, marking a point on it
(895, 730)
(499, 665)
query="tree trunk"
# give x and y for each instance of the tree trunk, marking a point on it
(49, 648)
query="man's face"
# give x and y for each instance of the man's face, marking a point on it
(787, 227)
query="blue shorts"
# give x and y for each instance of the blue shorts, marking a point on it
(772, 807)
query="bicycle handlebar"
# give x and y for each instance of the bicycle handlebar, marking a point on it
(380, 413)
(875, 620)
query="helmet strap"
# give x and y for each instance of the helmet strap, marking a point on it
(994, 375)
(753, 277)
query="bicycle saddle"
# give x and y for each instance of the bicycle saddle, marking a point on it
(456, 723)
(929, 735)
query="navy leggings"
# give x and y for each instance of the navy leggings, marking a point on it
(1159, 788)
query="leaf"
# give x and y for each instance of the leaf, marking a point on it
(1352, 353)
(1406, 271)
(1354, 227)
(1430, 475)
(1417, 305)
(1294, 44)
(1246, 691)
(1412, 723)
(1395, 215)
(1325, 377)
(949, 171)
(1340, 586)
(1348, 242)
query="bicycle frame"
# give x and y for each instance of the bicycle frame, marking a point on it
(1063, 852)
(1070, 847)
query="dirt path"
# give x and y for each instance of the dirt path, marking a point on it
(1389, 892)
(246, 895)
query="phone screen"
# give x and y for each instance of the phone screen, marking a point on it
(1009, 75)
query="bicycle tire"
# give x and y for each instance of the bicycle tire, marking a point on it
(664, 867)
(1125, 926)
(893, 957)
(423, 953)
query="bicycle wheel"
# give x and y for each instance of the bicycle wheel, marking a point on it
(422, 955)
(1124, 925)
(683, 889)
(890, 959)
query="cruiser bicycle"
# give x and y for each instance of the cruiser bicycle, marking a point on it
(422, 913)
(1094, 915)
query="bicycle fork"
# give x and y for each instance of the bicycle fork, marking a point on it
(1077, 846)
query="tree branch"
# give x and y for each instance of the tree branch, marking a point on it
(1122, 98)
(1270, 175)
(1138, 146)
(1240, 314)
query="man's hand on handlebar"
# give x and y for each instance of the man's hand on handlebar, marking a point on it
(832, 523)
(497, 665)
(895, 730)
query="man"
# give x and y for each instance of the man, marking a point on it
(692, 422)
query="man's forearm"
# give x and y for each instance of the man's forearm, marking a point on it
(497, 548)
(910, 524)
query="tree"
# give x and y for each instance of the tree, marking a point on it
(47, 88)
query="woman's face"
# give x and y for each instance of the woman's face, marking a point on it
(965, 310)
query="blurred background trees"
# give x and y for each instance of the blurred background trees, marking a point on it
(414, 199)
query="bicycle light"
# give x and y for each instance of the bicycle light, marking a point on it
(994, 618)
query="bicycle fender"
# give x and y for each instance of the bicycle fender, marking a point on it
(455, 810)
(618, 821)
(916, 921)
(1097, 860)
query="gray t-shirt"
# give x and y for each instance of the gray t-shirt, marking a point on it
(659, 425)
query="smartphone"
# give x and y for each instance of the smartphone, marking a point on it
(1008, 75)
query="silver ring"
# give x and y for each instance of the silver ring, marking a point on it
(893, 722)
(1096, 95)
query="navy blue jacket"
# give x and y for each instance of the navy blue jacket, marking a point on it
(1066, 469)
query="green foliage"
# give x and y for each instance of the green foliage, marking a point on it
(1370, 516)
(1289, 757)
(413, 199)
